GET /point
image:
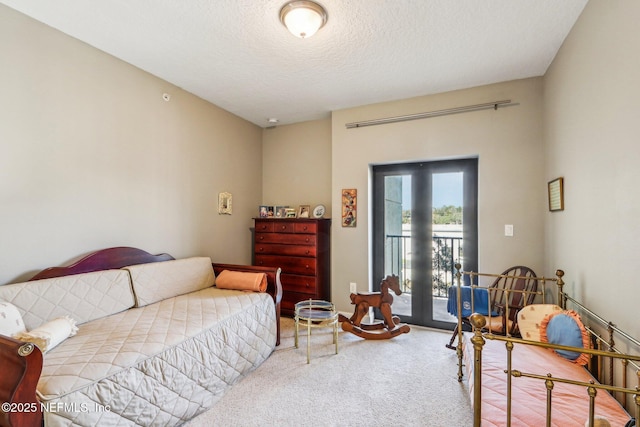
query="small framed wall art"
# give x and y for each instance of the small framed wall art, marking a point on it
(225, 206)
(556, 194)
(349, 207)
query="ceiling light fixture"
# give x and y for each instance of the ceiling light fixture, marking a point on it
(303, 18)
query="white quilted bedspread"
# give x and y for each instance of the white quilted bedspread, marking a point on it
(160, 364)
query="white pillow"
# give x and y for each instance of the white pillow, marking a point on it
(156, 281)
(52, 333)
(11, 322)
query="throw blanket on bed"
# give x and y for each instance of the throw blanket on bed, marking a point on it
(480, 301)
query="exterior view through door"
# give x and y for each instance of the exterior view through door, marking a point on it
(424, 221)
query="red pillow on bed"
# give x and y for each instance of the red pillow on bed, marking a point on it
(566, 328)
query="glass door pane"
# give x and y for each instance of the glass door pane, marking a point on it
(447, 231)
(397, 232)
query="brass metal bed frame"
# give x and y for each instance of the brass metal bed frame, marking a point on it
(611, 362)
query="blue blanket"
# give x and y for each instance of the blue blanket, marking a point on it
(480, 301)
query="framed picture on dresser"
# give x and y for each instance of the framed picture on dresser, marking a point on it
(280, 211)
(303, 211)
(290, 213)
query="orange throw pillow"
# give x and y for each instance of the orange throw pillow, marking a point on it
(241, 281)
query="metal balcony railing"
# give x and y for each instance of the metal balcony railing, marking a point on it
(446, 252)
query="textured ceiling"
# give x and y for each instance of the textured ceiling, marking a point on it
(237, 55)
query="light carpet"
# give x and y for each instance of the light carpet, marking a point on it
(410, 380)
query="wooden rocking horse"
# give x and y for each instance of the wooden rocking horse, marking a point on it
(387, 328)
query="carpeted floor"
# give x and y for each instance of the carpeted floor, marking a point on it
(410, 380)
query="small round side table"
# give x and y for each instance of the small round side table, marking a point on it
(316, 314)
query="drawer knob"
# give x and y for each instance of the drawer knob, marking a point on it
(284, 227)
(261, 237)
(308, 252)
(304, 228)
(307, 285)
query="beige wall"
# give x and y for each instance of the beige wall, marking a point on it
(511, 188)
(592, 127)
(296, 164)
(93, 157)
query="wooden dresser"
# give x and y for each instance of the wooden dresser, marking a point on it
(301, 248)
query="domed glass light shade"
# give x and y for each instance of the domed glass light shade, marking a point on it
(303, 18)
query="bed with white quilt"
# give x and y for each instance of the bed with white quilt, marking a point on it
(150, 344)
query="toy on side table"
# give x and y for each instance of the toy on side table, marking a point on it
(387, 328)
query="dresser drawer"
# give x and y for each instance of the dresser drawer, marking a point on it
(276, 249)
(264, 226)
(289, 264)
(283, 227)
(305, 227)
(286, 239)
(297, 283)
